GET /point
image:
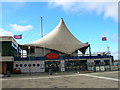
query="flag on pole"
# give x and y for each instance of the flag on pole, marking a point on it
(86, 43)
(18, 36)
(104, 38)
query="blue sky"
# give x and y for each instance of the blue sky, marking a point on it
(87, 21)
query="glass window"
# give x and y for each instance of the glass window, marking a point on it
(38, 65)
(33, 65)
(7, 49)
(13, 45)
(106, 62)
(16, 65)
(25, 65)
(97, 62)
(29, 65)
(21, 65)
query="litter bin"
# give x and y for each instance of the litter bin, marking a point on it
(50, 71)
(8, 74)
(94, 68)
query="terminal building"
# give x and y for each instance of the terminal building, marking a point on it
(57, 50)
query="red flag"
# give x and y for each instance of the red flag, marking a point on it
(86, 43)
(104, 38)
(18, 36)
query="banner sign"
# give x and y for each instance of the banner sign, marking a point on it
(52, 56)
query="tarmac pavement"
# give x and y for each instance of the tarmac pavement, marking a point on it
(63, 80)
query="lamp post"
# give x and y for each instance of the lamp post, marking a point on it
(29, 59)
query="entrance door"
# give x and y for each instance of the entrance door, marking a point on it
(54, 65)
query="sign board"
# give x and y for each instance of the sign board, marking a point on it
(52, 56)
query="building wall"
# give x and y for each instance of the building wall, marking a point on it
(39, 52)
(0, 48)
(3, 67)
(24, 66)
(35, 66)
(0, 67)
(8, 48)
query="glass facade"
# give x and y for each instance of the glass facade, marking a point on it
(8, 49)
(76, 65)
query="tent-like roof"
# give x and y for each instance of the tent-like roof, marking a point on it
(60, 39)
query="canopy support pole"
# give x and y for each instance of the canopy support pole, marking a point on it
(22, 51)
(89, 50)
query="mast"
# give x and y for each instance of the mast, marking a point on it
(41, 28)
(42, 36)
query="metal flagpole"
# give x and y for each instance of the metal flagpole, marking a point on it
(42, 36)
(107, 47)
(89, 50)
(41, 28)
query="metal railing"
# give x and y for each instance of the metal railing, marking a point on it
(60, 57)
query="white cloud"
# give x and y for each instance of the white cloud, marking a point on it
(105, 34)
(116, 54)
(21, 28)
(108, 8)
(59, 0)
(5, 33)
(114, 38)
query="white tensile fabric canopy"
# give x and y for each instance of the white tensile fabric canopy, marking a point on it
(60, 39)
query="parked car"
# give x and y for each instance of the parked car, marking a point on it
(17, 71)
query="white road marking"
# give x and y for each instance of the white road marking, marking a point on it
(106, 72)
(101, 77)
